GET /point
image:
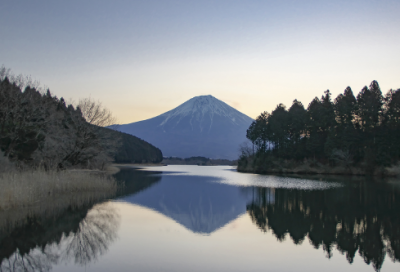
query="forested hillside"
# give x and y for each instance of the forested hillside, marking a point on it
(135, 150)
(362, 130)
(37, 128)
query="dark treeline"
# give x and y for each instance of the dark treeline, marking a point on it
(198, 160)
(37, 128)
(134, 150)
(355, 130)
(359, 219)
(40, 128)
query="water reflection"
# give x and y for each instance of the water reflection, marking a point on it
(363, 217)
(78, 235)
(351, 216)
(93, 235)
(132, 181)
(77, 230)
(198, 203)
(33, 261)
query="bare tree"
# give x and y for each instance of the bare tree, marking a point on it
(95, 113)
(20, 80)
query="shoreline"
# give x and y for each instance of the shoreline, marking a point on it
(29, 188)
(135, 165)
(305, 169)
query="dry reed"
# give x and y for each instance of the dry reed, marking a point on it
(29, 188)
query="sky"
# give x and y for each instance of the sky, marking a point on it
(143, 58)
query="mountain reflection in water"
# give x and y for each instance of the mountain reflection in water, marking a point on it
(353, 216)
(199, 203)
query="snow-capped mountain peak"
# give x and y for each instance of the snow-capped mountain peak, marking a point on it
(203, 106)
(202, 126)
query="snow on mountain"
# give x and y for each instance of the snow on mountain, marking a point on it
(200, 107)
(202, 126)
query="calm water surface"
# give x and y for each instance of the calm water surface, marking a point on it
(199, 218)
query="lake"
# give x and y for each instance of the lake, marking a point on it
(212, 218)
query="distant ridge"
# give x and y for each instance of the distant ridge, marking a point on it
(202, 126)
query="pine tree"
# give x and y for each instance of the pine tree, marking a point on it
(297, 125)
(279, 123)
(369, 116)
(345, 132)
(259, 132)
(392, 123)
(315, 141)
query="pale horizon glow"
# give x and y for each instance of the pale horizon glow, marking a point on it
(143, 58)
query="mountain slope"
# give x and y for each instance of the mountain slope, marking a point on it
(202, 126)
(134, 150)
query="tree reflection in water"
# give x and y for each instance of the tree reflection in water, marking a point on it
(86, 240)
(79, 234)
(363, 217)
(93, 236)
(36, 260)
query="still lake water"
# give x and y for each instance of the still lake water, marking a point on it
(201, 218)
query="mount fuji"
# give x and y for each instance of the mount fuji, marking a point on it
(202, 126)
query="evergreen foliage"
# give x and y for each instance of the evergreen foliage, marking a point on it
(198, 160)
(37, 128)
(135, 150)
(362, 130)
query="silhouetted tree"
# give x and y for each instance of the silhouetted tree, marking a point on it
(259, 132)
(279, 124)
(38, 128)
(316, 128)
(363, 130)
(95, 113)
(392, 123)
(346, 135)
(297, 129)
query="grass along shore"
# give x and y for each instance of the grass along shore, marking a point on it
(252, 165)
(31, 187)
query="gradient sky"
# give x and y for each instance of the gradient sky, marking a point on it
(142, 58)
